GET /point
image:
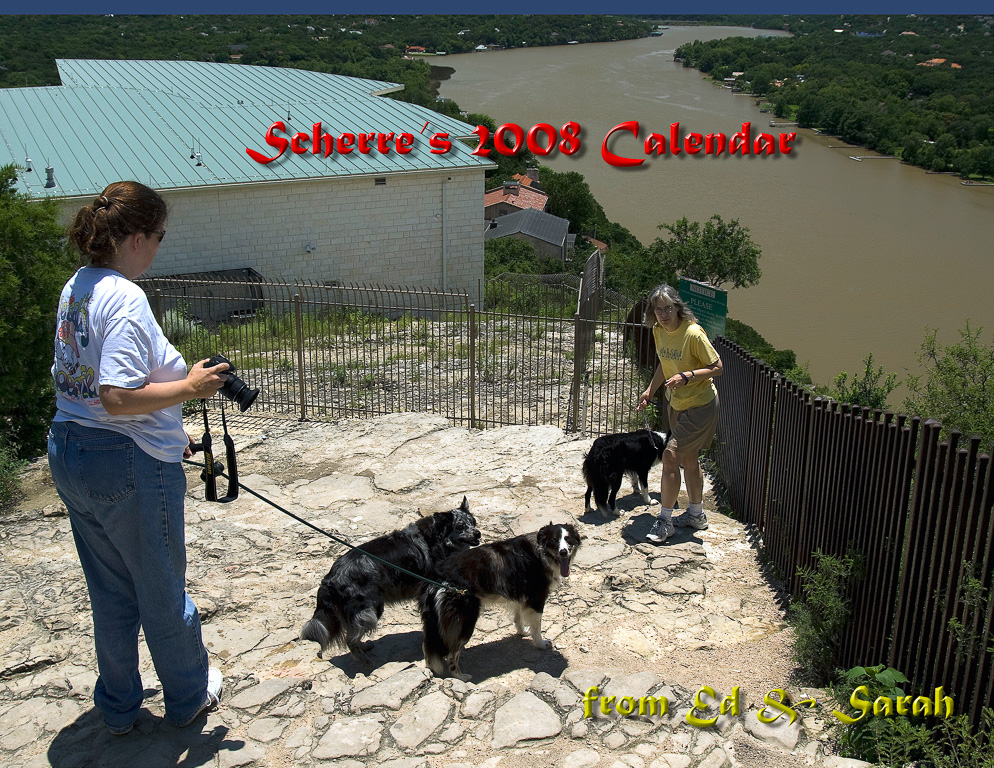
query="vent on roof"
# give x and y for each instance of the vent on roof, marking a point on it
(49, 177)
(379, 181)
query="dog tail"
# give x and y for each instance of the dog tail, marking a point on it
(324, 629)
(449, 619)
(433, 644)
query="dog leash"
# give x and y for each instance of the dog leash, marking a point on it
(645, 419)
(310, 525)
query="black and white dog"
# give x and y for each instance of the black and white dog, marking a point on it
(611, 457)
(519, 572)
(352, 596)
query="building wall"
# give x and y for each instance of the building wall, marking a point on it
(542, 247)
(358, 232)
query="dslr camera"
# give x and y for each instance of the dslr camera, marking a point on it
(236, 390)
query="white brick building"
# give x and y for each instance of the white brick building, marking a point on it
(183, 128)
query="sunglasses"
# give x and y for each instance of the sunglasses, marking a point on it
(161, 233)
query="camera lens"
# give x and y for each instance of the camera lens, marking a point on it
(239, 392)
(234, 388)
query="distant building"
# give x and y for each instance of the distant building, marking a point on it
(547, 233)
(512, 197)
(183, 127)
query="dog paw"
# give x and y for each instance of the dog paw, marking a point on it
(653, 502)
(543, 644)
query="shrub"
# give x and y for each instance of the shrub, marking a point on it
(35, 262)
(898, 741)
(957, 386)
(10, 466)
(868, 390)
(824, 612)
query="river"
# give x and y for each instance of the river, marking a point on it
(858, 257)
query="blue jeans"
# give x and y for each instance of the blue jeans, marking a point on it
(126, 511)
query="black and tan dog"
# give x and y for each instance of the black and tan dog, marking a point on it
(352, 596)
(519, 572)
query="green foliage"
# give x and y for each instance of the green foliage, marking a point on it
(868, 390)
(633, 271)
(10, 467)
(823, 613)
(783, 361)
(716, 253)
(858, 740)
(570, 198)
(898, 741)
(35, 262)
(509, 254)
(362, 45)
(872, 85)
(957, 388)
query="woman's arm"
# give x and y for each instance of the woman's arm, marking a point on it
(200, 383)
(656, 383)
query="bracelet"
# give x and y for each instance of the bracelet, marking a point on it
(693, 375)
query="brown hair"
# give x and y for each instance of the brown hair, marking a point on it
(121, 210)
(666, 293)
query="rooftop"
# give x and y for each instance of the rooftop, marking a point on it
(184, 124)
(537, 224)
(517, 195)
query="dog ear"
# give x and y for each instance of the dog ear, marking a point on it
(465, 504)
(445, 521)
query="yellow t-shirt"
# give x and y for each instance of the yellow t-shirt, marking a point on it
(685, 349)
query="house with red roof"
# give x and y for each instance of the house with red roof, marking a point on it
(512, 197)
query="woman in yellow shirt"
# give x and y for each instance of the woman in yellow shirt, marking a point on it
(687, 364)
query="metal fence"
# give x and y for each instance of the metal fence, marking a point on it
(812, 474)
(332, 351)
(809, 473)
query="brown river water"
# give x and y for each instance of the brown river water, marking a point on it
(858, 256)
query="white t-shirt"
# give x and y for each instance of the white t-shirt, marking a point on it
(106, 334)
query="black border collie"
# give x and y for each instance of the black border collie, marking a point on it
(519, 572)
(611, 457)
(352, 596)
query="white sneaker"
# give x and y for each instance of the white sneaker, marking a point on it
(214, 682)
(687, 520)
(661, 530)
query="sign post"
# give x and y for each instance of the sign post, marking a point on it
(710, 304)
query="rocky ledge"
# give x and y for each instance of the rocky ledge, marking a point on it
(643, 624)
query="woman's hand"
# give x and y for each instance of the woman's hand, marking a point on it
(205, 382)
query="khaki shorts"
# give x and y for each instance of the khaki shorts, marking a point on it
(692, 430)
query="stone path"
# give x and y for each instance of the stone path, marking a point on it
(633, 619)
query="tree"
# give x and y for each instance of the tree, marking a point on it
(957, 388)
(716, 253)
(509, 254)
(570, 198)
(35, 262)
(866, 391)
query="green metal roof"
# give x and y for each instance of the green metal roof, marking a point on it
(143, 120)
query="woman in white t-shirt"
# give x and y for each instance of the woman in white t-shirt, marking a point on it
(115, 448)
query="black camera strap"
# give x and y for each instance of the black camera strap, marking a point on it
(214, 468)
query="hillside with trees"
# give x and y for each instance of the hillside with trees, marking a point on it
(919, 87)
(373, 46)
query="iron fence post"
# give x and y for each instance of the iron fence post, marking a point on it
(472, 365)
(158, 307)
(299, 332)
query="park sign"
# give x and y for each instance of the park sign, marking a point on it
(710, 304)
